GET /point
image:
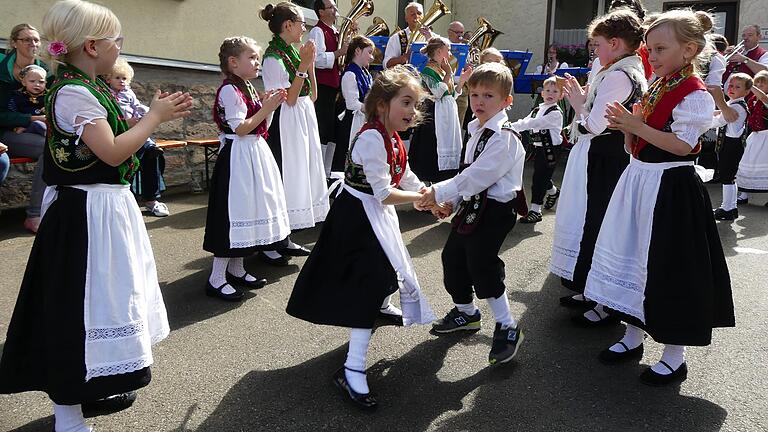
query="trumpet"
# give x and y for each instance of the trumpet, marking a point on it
(738, 49)
(434, 13)
(360, 8)
(378, 28)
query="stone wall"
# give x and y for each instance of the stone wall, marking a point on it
(185, 167)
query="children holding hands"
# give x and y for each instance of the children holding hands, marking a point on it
(487, 196)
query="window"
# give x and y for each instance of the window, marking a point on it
(568, 21)
(726, 15)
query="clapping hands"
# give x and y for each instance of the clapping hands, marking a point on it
(273, 98)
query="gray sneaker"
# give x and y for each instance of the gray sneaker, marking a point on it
(456, 320)
(505, 344)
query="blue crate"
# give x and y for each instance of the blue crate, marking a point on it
(380, 46)
(419, 60)
(530, 83)
(517, 61)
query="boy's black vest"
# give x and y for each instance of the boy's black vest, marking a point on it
(742, 140)
(529, 137)
(470, 213)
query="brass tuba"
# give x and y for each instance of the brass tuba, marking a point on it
(482, 38)
(434, 13)
(360, 8)
(378, 28)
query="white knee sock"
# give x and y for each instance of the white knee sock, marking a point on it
(219, 276)
(358, 350)
(633, 338)
(236, 268)
(743, 195)
(468, 308)
(272, 254)
(69, 418)
(388, 308)
(729, 197)
(579, 297)
(552, 191)
(674, 356)
(292, 245)
(596, 314)
(536, 208)
(501, 312)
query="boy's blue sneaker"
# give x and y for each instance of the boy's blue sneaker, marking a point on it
(456, 320)
(506, 341)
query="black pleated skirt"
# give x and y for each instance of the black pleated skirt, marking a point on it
(422, 154)
(216, 239)
(348, 275)
(688, 287)
(45, 345)
(606, 161)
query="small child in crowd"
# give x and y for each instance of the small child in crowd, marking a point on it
(752, 175)
(732, 119)
(491, 55)
(30, 98)
(148, 183)
(543, 128)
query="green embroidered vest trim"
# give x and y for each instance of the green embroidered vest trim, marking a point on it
(67, 150)
(288, 55)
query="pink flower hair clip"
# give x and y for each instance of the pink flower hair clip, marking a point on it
(57, 48)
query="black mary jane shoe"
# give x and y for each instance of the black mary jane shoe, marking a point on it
(244, 283)
(295, 252)
(651, 378)
(531, 218)
(363, 401)
(212, 291)
(612, 357)
(582, 321)
(390, 318)
(108, 405)
(277, 262)
(569, 301)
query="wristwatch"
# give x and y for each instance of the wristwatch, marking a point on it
(302, 75)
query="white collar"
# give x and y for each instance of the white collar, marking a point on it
(494, 123)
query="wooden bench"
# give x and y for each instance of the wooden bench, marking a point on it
(169, 144)
(21, 160)
(211, 148)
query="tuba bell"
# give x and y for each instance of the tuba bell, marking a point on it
(434, 13)
(378, 28)
(482, 38)
(360, 8)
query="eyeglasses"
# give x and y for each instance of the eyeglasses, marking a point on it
(303, 23)
(118, 40)
(29, 40)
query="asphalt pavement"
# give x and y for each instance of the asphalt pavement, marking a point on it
(250, 367)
